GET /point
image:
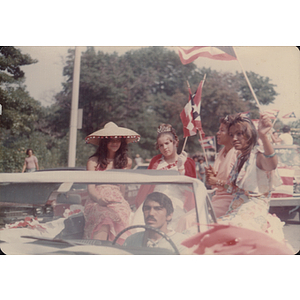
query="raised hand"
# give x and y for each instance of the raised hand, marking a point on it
(264, 124)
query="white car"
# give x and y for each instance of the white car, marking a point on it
(42, 212)
(285, 201)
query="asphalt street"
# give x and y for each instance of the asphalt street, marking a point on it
(291, 231)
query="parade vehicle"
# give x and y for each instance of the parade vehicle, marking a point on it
(43, 212)
(141, 166)
(285, 201)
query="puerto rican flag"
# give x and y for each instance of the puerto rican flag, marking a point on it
(208, 142)
(189, 54)
(287, 177)
(190, 115)
(289, 116)
(272, 113)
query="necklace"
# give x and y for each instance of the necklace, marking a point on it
(225, 152)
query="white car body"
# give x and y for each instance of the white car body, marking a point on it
(32, 239)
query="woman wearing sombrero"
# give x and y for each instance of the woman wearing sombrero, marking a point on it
(107, 212)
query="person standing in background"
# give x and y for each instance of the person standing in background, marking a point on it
(138, 160)
(202, 169)
(30, 163)
(285, 138)
(197, 164)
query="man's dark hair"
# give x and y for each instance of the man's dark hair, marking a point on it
(286, 129)
(163, 201)
(27, 151)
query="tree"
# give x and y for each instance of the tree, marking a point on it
(20, 111)
(22, 116)
(146, 87)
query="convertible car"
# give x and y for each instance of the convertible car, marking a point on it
(46, 213)
(43, 212)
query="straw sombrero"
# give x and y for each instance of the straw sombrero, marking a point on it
(111, 130)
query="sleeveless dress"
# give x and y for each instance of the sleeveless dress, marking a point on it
(249, 207)
(115, 215)
(223, 165)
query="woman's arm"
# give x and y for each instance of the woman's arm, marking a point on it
(36, 164)
(268, 160)
(92, 166)
(24, 167)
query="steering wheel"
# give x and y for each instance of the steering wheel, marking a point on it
(148, 228)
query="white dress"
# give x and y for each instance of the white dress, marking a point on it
(251, 198)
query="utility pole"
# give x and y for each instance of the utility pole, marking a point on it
(74, 109)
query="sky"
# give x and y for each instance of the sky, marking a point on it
(280, 63)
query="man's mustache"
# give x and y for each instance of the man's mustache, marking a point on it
(150, 218)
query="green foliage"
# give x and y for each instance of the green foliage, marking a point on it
(148, 86)
(139, 90)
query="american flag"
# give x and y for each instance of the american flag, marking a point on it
(190, 115)
(289, 116)
(272, 113)
(208, 142)
(189, 54)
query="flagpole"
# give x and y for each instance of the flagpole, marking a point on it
(74, 109)
(205, 156)
(203, 79)
(249, 84)
(185, 140)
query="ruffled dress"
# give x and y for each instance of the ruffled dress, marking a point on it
(115, 215)
(249, 207)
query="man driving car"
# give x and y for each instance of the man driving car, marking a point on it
(158, 211)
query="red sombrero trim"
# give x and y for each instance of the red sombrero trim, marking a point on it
(136, 137)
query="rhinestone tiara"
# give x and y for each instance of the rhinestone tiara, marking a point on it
(164, 128)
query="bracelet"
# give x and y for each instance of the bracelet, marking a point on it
(269, 156)
(220, 183)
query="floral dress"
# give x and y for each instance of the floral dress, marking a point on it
(116, 214)
(251, 198)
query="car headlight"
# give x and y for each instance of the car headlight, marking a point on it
(39, 211)
(48, 210)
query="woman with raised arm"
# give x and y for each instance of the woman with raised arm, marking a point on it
(107, 212)
(252, 178)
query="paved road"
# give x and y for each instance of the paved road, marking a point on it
(292, 234)
(291, 228)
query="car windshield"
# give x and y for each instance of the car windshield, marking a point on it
(288, 157)
(66, 211)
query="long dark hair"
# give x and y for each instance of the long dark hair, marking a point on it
(121, 157)
(226, 121)
(249, 132)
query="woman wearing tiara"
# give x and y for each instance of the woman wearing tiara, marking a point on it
(168, 159)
